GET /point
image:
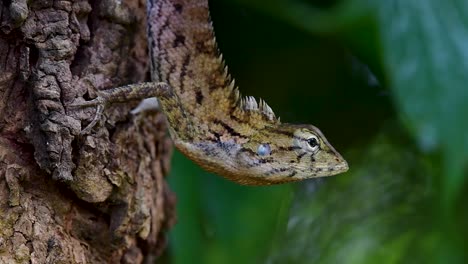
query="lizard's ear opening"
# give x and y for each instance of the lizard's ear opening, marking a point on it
(263, 150)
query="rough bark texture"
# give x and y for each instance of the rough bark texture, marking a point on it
(66, 197)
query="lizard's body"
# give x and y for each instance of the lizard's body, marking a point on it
(235, 137)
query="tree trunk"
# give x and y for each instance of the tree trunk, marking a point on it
(66, 197)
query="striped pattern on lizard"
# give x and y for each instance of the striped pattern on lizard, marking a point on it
(210, 122)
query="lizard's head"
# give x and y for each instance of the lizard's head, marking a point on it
(289, 152)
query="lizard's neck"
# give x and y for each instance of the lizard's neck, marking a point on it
(184, 54)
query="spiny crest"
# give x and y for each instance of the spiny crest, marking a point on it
(249, 104)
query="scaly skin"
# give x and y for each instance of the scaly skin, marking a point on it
(210, 123)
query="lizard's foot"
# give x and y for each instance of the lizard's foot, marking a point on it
(124, 94)
(99, 102)
(97, 117)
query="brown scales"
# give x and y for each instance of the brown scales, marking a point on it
(238, 138)
(185, 56)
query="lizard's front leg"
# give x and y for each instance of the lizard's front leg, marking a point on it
(124, 94)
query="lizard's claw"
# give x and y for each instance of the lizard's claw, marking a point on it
(99, 102)
(97, 116)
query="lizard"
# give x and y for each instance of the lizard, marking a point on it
(236, 137)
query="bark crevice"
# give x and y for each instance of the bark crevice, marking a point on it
(66, 197)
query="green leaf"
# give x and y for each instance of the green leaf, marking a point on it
(425, 55)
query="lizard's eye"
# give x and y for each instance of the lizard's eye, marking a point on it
(313, 143)
(263, 150)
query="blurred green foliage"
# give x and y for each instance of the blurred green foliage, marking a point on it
(387, 83)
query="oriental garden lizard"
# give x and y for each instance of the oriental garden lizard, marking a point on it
(210, 122)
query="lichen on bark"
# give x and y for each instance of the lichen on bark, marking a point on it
(66, 197)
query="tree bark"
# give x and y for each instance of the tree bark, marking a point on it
(66, 197)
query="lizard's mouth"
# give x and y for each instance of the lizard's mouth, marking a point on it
(331, 169)
(342, 167)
